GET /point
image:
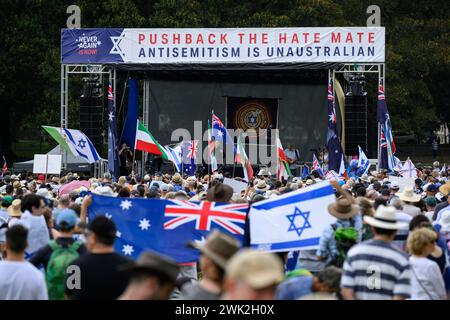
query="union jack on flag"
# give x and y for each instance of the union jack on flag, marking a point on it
(167, 226)
(230, 217)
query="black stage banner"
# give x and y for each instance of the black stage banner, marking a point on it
(251, 113)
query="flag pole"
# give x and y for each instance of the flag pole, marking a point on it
(134, 149)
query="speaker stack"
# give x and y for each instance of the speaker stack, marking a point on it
(91, 112)
(355, 124)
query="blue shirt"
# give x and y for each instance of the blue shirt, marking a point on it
(294, 288)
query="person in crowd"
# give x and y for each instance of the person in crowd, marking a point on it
(218, 248)
(100, 278)
(385, 260)
(33, 219)
(19, 279)
(340, 236)
(59, 253)
(426, 280)
(324, 285)
(152, 277)
(410, 198)
(252, 275)
(444, 190)
(293, 157)
(394, 187)
(430, 206)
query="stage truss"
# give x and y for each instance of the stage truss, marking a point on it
(110, 73)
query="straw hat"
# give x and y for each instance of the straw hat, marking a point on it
(219, 247)
(408, 195)
(385, 218)
(342, 209)
(262, 185)
(176, 178)
(258, 269)
(445, 189)
(14, 208)
(309, 182)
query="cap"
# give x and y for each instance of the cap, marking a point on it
(66, 219)
(258, 269)
(430, 201)
(432, 188)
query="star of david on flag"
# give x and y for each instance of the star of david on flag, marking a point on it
(292, 221)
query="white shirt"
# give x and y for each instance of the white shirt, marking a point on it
(21, 281)
(37, 231)
(431, 286)
(411, 210)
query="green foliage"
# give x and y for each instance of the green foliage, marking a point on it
(417, 51)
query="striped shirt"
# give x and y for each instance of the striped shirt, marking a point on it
(376, 270)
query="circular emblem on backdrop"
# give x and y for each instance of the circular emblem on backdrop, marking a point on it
(252, 115)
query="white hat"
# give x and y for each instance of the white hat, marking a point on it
(444, 222)
(43, 192)
(385, 218)
(264, 172)
(147, 177)
(79, 201)
(395, 185)
(408, 195)
(105, 191)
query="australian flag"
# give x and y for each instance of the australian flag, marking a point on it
(167, 226)
(333, 143)
(189, 151)
(113, 153)
(387, 144)
(220, 133)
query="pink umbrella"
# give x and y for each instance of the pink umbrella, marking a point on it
(67, 188)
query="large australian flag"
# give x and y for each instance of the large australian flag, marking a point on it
(387, 145)
(113, 153)
(167, 226)
(333, 142)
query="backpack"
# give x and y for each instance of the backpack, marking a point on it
(55, 274)
(345, 237)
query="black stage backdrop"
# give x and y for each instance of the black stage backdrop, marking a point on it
(302, 108)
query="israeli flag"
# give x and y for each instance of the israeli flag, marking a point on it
(175, 155)
(293, 221)
(363, 161)
(80, 145)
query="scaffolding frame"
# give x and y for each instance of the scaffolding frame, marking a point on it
(100, 167)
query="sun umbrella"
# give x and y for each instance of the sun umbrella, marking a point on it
(67, 188)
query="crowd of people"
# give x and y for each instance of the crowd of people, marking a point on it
(384, 244)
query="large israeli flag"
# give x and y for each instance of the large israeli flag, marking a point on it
(293, 221)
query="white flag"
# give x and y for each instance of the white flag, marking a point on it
(409, 169)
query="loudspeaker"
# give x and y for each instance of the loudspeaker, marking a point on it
(355, 124)
(91, 119)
